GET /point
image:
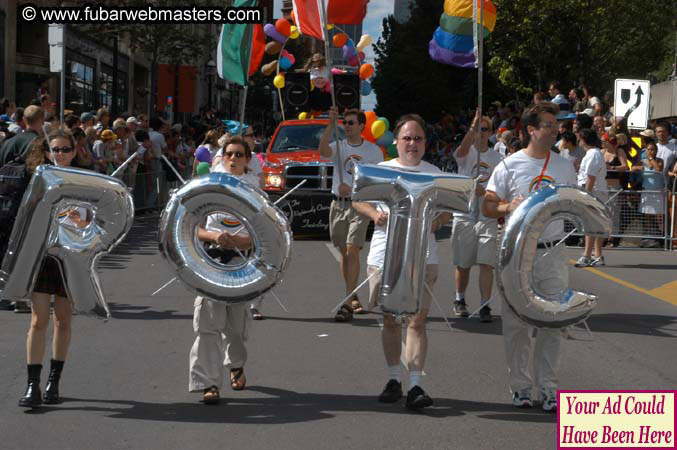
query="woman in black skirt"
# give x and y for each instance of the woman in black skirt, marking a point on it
(59, 149)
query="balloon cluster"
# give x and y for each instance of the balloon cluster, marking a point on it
(354, 54)
(279, 33)
(377, 130)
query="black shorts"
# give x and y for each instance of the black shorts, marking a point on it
(49, 279)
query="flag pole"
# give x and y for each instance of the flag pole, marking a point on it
(478, 29)
(243, 104)
(327, 57)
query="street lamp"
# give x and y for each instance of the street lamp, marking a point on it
(210, 69)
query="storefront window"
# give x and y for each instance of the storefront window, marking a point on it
(80, 85)
(106, 89)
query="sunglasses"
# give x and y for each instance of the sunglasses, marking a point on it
(235, 154)
(349, 122)
(484, 129)
(408, 139)
(61, 149)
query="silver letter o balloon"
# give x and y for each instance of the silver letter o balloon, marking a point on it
(267, 225)
(518, 252)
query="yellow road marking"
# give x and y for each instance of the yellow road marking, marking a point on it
(666, 293)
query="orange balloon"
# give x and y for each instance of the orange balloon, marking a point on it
(292, 16)
(340, 40)
(283, 27)
(366, 133)
(366, 71)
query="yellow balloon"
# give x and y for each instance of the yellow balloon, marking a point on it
(330, 26)
(303, 116)
(365, 41)
(294, 32)
(278, 81)
(378, 128)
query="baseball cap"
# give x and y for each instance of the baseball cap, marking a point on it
(134, 120)
(648, 133)
(85, 116)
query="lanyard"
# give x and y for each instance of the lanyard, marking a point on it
(545, 166)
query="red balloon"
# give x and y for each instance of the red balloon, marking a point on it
(366, 133)
(283, 27)
(353, 62)
(340, 40)
(366, 71)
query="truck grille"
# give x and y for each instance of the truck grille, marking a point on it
(319, 176)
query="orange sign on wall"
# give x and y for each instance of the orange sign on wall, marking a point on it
(167, 77)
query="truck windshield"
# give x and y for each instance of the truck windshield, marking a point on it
(300, 138)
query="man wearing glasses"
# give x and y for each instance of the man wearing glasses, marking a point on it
(474, 236)
(527, 170)
(348, 229)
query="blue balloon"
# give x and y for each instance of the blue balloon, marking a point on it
(365, 88)
(386, 139)
(285, 63)
(349, 51)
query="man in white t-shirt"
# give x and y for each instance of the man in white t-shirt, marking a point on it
(665, 148)
(410, 138)
(158, 148)
(474, 236)
(527, 170)
(347, 228)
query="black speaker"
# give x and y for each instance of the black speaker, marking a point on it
(296, 93)
(347, 91)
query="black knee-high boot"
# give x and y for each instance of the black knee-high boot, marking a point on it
(32, 397)
(52, 389)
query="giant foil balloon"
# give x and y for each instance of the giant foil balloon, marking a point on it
(219, 192)
(38, 232)
(413, 198)
(518, 254)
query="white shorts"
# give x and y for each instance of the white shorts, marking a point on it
(375, 285)
(474, 242)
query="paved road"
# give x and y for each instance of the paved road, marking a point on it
(312, 382)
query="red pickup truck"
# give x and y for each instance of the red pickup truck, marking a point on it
(291, 157)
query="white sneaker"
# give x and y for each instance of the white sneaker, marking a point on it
(522, 398)
(583, 262)
(549, 398)
(597, 261)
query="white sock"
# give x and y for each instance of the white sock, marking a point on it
(394, 372)
(415, 378)
(460, 296)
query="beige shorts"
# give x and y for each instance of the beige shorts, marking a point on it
(474, 242)
(346, 225)
(375, 285)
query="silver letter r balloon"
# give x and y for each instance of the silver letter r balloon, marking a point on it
(38, 232)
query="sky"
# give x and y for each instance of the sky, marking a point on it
(377, 10)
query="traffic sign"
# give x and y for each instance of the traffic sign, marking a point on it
(631, 100)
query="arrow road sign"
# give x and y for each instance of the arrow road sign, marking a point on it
(631, 101)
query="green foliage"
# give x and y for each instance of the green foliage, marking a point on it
(573, 41)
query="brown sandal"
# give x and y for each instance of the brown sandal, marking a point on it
(344, 314)
(211, 396)
(357, 306)
(237, 379)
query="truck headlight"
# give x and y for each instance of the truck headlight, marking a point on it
(274, 181)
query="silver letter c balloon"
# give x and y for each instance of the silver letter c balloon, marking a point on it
(412, 198)
(222, 193)
(38, 232)
(518, 255)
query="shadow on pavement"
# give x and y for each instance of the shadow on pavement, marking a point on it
(644, 324)
(285, 406)
(123, 311)
(643, 266)
(141, 240)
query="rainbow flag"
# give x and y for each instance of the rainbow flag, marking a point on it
(453, 41)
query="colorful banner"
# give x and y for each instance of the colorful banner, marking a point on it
(452, 41)
(234, 49)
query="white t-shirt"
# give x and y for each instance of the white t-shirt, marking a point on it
(64, 217)
(488, 162)
(158, 143)
(519, 174)
(664, 151)
(377, 250)
(365, 153)
(593, 164)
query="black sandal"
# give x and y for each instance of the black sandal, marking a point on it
(237, 379)
(344, 314)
